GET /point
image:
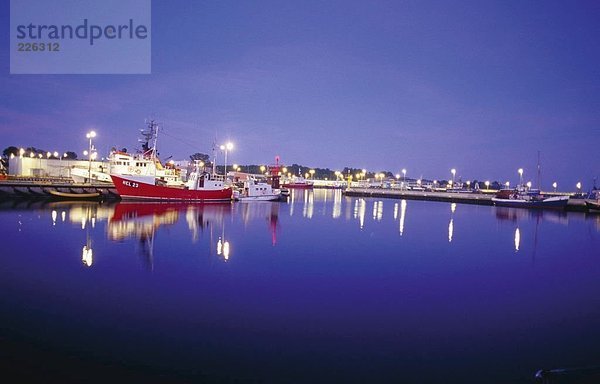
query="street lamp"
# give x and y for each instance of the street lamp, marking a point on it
(312, 173)
(453, 171)
(226, 147)
(554, 185)
(520, 170)
(487, 185)
(403, 177)
(578, 185)
(90, 135)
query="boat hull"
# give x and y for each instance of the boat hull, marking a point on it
(132, 190)
(592, 206)
(77, 196)
(557, 202)
(298, 186)
(259, 198)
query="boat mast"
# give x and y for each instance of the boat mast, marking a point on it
(150, 136)
(539, 173)
(214, 171)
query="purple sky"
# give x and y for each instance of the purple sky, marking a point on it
(479, 86)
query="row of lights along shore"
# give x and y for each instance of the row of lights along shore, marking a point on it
(92, 155)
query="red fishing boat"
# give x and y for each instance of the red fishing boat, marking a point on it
(298, 182)
(201, 186)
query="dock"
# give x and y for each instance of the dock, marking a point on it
(41, 188)
(479, 198)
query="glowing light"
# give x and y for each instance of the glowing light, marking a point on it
(87, 256)
(226, 250)
(402, 215)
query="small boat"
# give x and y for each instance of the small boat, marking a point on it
(71, 196)
(201, 186)
(592, 205)
(254, 190)
(528, 199)
(298, 182)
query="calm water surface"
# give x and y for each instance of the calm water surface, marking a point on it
(322, 288)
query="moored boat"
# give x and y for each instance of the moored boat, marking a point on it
(254, 190)
(298, 182)
(525, 199)
(593, 205)
(201, 186)
(74, 196)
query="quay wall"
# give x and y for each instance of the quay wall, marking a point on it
(451, 197)
(34, 188)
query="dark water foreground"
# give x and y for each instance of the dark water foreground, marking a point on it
(323, 288)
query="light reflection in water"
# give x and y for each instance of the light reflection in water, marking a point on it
(337, 204)
(87, 256)
(402, 216)
(378, 210)
(451, 225)
(360, 207)
(141, 220)
(309, 204)
(223, 248)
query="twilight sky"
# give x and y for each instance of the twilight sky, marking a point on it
(480, 86)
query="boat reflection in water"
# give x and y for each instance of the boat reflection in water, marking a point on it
(141, 220)
(267, 210)
(518, 216)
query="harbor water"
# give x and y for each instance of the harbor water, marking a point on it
(319, 288)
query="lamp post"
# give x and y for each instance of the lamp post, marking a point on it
(453, 171)
(90, 135)
(226, 147)
(578, 185)
(554, 185)
(312, 173)
(403, 177)
(520, 170)
(487, 185)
